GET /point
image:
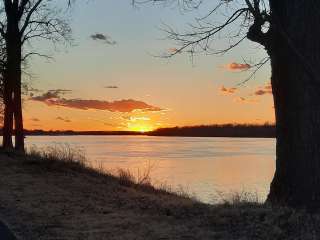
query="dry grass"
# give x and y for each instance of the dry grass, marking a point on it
(58, 156)
(127, 178)
(70, 198)
(237, 199)
(61, 157)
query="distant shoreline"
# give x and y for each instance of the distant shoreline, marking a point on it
(146, 135)
(226, 130)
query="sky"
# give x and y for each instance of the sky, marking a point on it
(111, 78)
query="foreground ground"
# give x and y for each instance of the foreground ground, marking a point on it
(5, 233)
(48, 200)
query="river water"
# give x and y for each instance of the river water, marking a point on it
(205, 167)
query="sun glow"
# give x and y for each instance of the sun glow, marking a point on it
(140, 128)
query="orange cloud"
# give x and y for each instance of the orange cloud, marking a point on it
(35, 119)
(173, 50)
(135, 119)
(53, 98)
(238, 66)
(225, 90)
(263, 90)
(245, 100)
(63, 119)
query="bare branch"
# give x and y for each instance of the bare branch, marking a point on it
(26, 56)
(29, 15)
(255, 68)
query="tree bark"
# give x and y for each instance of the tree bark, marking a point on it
(18, 118)
(295, 56)
(13, 81)
(8, 116)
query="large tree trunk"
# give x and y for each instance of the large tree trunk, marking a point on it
(295, 58)
(13, 80)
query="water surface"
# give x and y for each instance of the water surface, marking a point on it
(203, 166)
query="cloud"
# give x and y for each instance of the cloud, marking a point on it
(240, 99)
(60, 91)
(35, 119)
(245, 100)
(98, 36)
(237, 66)
(111, 87)
(260, 92)
(30, 90)
(103, 37)
(225, 90)
(63, 119)
(174, 50)
(53, 98)
(116, 125)
(135, 119)
(267, 89)
(50, 94)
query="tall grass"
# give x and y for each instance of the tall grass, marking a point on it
(57, 156)
(61, 157)
(64, 157)
(238, 198)
(142, 177)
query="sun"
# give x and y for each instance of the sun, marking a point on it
(141, 128)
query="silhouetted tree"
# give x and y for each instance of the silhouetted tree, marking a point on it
(23, 21)
(2, 67)
(289, 32)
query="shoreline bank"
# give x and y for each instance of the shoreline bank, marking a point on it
(50, 199)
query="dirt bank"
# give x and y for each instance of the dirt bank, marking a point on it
(51, 201)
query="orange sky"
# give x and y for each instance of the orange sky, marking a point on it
(109, 79)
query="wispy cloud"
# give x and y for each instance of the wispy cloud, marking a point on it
(111, 87)
(173, 51)
(109, 124)
(225, 90)
(135, 119)
(35, 119)
(103, 38)
(54, 98)
(267, 89)
(237, 66)
(245, 100)
(50, 94)
(63, 119)
(28, 90)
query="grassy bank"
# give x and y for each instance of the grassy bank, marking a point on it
(56, 195)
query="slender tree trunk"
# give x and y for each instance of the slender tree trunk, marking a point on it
(295, 60)
(18, 118)
(8, 115)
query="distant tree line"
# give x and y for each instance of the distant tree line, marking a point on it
(72, 133)
(225, 130)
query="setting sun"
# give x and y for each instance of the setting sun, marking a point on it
(140, 124)
(140, 128)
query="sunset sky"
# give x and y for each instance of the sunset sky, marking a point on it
(110, 78)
